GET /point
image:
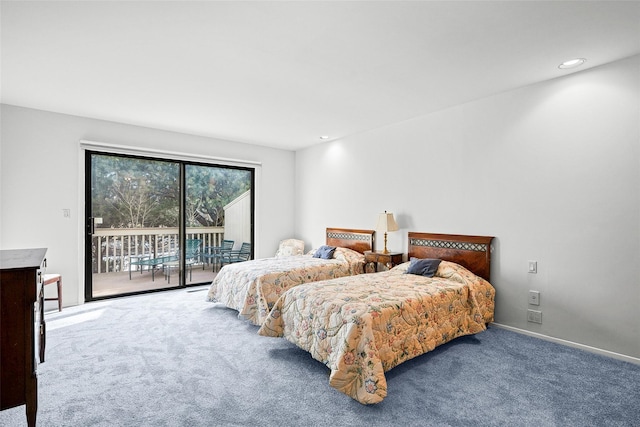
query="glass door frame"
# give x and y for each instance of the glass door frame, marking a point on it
(182, 226)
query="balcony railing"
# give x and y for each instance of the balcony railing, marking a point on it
(115, 247)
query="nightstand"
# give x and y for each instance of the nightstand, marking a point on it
(390, 259)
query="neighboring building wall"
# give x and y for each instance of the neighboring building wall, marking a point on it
(552, 170)
(237, 220)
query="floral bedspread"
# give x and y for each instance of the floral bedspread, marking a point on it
(252, 287)
(362, 326)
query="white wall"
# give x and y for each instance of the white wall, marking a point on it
(551, 170)
(42, 174)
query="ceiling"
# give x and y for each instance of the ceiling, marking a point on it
(282, 74)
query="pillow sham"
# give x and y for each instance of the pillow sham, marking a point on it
(349, 255)
(452, 271)
(324, 252)
(423, 267)
(401, 268)
(290, 247)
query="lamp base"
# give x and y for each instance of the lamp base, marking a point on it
(385, 251)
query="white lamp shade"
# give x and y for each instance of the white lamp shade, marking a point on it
(386, 222)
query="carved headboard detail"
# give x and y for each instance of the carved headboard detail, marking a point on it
(358, 240)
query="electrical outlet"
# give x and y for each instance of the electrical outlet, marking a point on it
(534, 297)
(66, 213)
(534, 316)
(533, 267)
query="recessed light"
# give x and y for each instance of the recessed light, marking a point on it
(572, 63)
(324, 137)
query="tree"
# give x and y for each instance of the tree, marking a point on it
(131, 193)
(209, 189)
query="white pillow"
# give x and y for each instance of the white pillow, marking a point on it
(290, 247)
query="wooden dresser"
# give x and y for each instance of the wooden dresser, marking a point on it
(22, 328)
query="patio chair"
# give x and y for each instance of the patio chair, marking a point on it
(214, 253)
(230, 257)
(193, 254)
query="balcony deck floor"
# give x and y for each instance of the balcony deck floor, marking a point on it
(108, 284)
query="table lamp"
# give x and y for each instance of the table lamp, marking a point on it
(386, 223)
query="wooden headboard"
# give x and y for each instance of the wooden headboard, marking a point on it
(358, 240)
(471, 252)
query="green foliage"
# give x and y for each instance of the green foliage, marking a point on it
(133, 193)
(209, 189)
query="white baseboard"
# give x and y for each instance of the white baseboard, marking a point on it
(590, 349)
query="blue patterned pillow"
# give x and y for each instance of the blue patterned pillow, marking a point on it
(324, 252)
(423, 267)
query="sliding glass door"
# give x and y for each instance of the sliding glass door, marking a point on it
(159, 224)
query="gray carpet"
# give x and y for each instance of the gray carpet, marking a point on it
(172, 359)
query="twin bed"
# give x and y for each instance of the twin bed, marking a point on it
(252, 287)
(361, 326)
